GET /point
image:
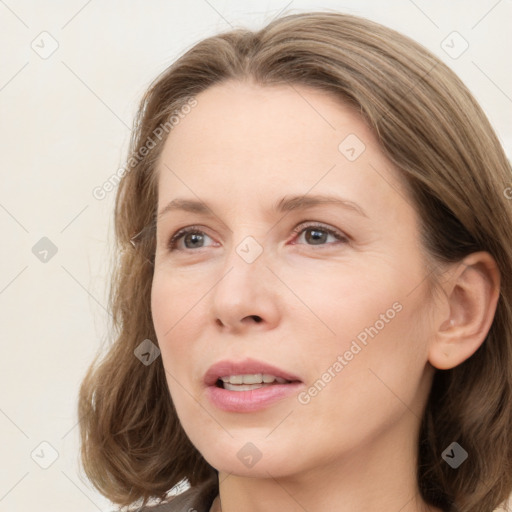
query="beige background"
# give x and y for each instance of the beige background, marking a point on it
(65, 121)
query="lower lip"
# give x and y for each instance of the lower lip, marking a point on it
(253, 400)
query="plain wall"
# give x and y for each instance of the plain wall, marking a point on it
(65, 121)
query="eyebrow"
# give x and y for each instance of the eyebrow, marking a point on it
(285, 204)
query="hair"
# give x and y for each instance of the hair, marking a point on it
(133, 446)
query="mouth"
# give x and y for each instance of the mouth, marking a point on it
(248, 385)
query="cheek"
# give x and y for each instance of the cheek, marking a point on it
(369, 390)
(336, 305)
(174, 297)
(170, 320)
(170, 310)
(369, 334)
(373, 372)
(179, 319)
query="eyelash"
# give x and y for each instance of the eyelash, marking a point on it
(298, 230)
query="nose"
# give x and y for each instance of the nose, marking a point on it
(246, 296)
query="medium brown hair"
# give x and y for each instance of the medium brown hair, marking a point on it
(430, 127)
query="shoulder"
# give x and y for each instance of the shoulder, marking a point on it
(195, 499)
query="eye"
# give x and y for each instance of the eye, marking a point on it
(318, 234)
(192, 236)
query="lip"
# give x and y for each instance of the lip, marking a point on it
(253, 400)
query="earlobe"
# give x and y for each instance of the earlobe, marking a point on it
(472, 294)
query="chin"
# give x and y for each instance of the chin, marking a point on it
(243, 458)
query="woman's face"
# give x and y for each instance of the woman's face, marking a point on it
(332, 295)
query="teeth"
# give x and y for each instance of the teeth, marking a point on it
(255, 378)
(243, 387)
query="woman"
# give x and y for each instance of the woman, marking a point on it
(313, 299)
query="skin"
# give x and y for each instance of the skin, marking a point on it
(353, 445)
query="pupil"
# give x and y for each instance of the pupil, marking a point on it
(316, 236)
(194, 237)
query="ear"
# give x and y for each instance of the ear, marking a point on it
(472, 294)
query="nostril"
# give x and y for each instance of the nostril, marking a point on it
(256, 318)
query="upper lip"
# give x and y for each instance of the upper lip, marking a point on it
(245, 367)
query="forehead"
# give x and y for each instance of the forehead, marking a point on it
(245, 142)
(267, 121)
